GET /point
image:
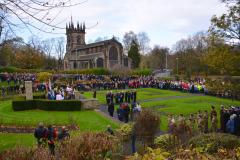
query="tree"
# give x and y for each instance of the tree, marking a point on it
(134, 54)
(189, 53)
(156, 59)
(128, 38)
(59, 49)
(37, 14)
(143, 40)
(29, 58)
(223, 59)
(227, 26)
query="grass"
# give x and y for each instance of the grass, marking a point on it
(10, 140)
(142, 94)
(87, 120)
(173, 102)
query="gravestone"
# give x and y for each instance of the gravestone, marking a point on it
(77, 95)
(28, 90)
(90, 104)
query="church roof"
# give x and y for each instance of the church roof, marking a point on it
(97, 44)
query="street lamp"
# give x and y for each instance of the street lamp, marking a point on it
(177, 65)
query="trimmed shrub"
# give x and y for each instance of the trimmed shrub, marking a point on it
(21, 105)
(212, 142)
(46, 105)
(147, 125)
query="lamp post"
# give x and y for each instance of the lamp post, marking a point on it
(177, 65)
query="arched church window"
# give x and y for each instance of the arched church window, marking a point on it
(100, 63)
(113, 54)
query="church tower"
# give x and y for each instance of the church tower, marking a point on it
(75, 36)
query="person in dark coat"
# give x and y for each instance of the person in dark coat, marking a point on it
(108, 97)
(40, 134)
(226, 117)
(120, 114)
(94, 94)
(51, 135)
(121, 97)
(221, 119)
(111, 109)
(128, 97)
(134, 96)
(63, 134)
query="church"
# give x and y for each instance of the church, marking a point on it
(106, 54)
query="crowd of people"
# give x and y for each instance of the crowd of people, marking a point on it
(15, 82)
(230, 120)
(128, 107)
(199, 122)
(49, 136)
(61, 93)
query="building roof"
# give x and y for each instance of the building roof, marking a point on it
(97, 44)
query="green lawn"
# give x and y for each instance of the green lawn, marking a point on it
(173, 102)
(87, 120)
(10, 140)
(143, 93)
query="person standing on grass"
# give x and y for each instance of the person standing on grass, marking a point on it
(205, 119)
(111, 109)
(214, 123)
(64, 135)
(40, 134)
(94, 94)
(51, 136)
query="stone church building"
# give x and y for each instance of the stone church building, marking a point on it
(105, 54)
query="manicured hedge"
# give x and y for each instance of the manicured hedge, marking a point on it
(46, 105)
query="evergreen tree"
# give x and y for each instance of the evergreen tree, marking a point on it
(134, 54)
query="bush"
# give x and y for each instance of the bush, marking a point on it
(212, 142)
(44, 76)
(21, 105)
(147, 125)
(90, 146)
(46, 105)
(125, 129)
(166, 142)
(86, 146)
(68, 105)
(142, 72)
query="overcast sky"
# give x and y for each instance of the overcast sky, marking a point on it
(165, 21)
